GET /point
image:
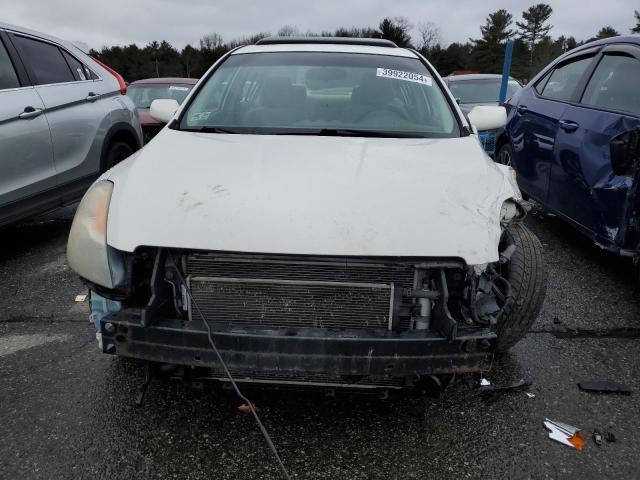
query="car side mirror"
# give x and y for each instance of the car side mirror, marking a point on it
(485, 117)
(625, 152)
(163, 109)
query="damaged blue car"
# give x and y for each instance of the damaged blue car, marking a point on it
(572, 137)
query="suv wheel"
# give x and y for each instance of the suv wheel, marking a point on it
(117, 152)
(526, 274)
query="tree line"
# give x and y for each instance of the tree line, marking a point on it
(534, 47)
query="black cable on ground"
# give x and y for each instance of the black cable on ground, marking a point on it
(263, 430)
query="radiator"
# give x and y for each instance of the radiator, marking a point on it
(280, 292)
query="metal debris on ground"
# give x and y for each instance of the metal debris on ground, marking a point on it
(484, 382)
(530, 395)
(597, 437)
(565, 434)
(492, 392)
(81, 298)
(605, 386)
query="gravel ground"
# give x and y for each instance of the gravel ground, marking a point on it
(67, 411)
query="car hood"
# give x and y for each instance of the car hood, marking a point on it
(311, 195)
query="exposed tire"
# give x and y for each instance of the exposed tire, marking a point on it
(117, 152)
(527, 276)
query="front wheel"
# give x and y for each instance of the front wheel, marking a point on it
(505, 155)
(525, 271)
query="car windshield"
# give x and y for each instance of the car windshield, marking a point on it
(481, 90)
(143, 94)
(321, 93)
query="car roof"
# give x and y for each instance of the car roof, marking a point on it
(33, 33)
(374, 42)
(627, 39)
(325, 47)
(606, 41)
(474, 76)
(165, 80)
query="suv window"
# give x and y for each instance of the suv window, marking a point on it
(562, 82)
(78, 69)
(614, 84)
(8, 77)
(46, 61)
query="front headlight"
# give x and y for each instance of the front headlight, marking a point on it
(87, 250)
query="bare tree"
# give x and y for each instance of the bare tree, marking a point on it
(430, 36)
(288, 31)
(211, 42)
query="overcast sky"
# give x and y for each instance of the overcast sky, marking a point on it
(102, 22)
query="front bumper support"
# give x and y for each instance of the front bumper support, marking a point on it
(311, 350)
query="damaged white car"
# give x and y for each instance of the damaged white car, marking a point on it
(320, 210)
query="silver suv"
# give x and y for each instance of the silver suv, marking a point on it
(64, 119)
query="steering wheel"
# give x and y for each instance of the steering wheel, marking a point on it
(388, 109)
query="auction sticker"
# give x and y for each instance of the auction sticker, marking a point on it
(182, 89)
(400, 75)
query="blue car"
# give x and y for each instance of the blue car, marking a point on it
(572, 135)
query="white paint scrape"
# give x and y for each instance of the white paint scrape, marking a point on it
(14, 343)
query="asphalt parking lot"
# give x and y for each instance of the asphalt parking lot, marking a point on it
(67, 411)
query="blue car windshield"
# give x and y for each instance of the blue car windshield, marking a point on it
(481, 90)
(315, 92)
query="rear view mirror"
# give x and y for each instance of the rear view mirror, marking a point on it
(163, 109)
(625, 152)
(488, 117)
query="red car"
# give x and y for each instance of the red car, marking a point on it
(143, 92)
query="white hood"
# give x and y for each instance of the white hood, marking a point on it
(313, 195)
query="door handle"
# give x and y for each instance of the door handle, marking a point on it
(568, 125)
(91, 97)
(522, 109)
(30, 112)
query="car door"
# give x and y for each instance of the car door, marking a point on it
(27, 173)
(536, 123)
(68, 95)
(583, 185)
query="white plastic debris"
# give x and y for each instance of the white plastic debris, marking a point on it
(81, 297)
(530, 395)
(484, 382)
(565, 434)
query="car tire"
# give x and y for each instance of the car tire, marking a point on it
(526, 273)
(505, 155)
(117, 152)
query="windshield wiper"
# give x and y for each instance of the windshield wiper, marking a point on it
(354, 132)
(209, 130)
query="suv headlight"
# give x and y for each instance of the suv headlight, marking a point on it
(87, 250)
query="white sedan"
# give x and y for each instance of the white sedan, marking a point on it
(318, 211)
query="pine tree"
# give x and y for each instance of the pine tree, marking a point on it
(606, 32)
(397, 30)
(535, 27)
(489, 49)
(636, 29)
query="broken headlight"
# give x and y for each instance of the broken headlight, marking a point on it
(87, 250)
